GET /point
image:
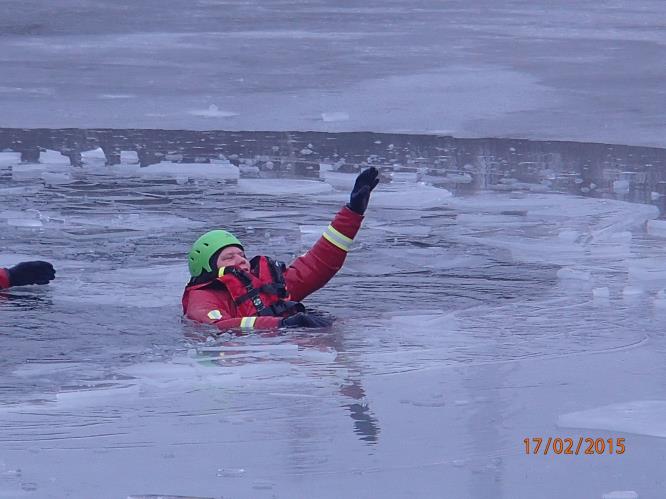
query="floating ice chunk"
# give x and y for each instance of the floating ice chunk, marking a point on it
(133, 287)
(624, 236)
(656, 228)
(162, 496)
(621, 186)
(403, 177)
(53, 158)
(485, 219)
(9, 158)
(620, 494)
(568, 235)
(630, 291)
(33, 171)
(191, 170)
(28, 218)
(24, 222)
(406, 230)
(213, 112)
(335, 116)
(282, 187)
(87, 397)
(642, 417)
(417, 196)
(341, 181)
(52, 178)
(117, 96)
(647, 270)
(569, 273)
(324, 167)
(601, 293)
(249, 170)
(310, 234)
(94, 157)
(458, 178)
(129, 157)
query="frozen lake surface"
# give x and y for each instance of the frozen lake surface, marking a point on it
(589, 71)
(499, 289)
(467, 321)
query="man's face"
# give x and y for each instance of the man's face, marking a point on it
(233, 256)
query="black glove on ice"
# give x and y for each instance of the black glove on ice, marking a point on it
(31, 273)
(360, 195)
(303, 319)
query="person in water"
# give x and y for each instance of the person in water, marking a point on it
(229, 291)
(25, 273)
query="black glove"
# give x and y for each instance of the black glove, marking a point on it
(31, 273)
(303, 319)
(360, 195)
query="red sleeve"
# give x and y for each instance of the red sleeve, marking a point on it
(4, 278)
(208, 307)
(311, 271)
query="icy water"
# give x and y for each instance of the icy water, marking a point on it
(467, 321)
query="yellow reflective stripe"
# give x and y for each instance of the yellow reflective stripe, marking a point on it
(337, 239)
(247, 322)
(220, 272)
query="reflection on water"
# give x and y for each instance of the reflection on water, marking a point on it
(464, 323)
(636, 174)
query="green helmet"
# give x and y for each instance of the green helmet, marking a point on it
(206, 246)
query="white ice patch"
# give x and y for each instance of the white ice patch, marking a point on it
(405, 230)
(574, 274)
(310, 234)
(648, 271)
(278, 187)
(132, 287)
(641, 417)
(34, 171)
(86, 397)
(130, 221)
(213, 112)
(339, 180)
(417, 196)
(334, 116)
(181, 373)
(53, 158)
(9, 158)
(94, 157)
(185, 171)
(594, 227)
(620, 494)
(656, 228)
(489, 220)
(27, 218)
(129, 157)
(8, 259)
(403, 177)
(621, 186)
(117, 96)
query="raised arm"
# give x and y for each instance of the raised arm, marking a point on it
(315, 268)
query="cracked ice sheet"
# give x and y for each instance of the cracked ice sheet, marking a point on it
(641, 417)
(557, 229)
(132, 287)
